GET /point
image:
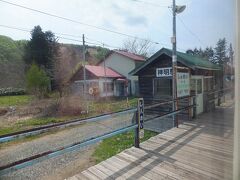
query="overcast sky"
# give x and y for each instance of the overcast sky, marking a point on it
(200, 25)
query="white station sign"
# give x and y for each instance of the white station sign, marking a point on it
(164, 72)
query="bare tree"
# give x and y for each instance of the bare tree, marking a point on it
(138, 46)
(60, 73)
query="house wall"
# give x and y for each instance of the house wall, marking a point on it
(101, 87)
(122, 65)
(77, 86)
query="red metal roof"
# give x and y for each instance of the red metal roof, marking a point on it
(99, 71)
(130, 55)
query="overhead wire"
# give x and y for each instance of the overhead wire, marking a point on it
(74, 21)
(100, 43)
(190, 31)
(93, 26)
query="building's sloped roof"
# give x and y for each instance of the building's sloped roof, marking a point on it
(99, 71)
(133, 56)
(193, 62)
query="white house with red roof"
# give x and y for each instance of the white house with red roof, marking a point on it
(100, 81)
(124, 62)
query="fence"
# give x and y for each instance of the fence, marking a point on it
(137, 125)
(213, 98)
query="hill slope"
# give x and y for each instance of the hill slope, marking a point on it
(12, 60)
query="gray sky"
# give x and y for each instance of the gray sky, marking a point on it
(200, 25)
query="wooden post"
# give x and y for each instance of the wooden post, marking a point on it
(189, 109)
(189, 98)
(194, 107)
(139, 131)
(219, 98)
(177, 101)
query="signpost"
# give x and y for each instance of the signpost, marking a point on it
(183, 84)
(140, 116)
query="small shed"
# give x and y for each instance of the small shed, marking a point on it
(100, 82)
(155, 76)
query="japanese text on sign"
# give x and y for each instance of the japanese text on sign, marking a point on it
(140, 112)
(164, 72)
(140, 117)
(183, 85)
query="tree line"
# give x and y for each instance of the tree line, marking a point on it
(44, 71)
(221, 54)
(41, 58)
(45, 68)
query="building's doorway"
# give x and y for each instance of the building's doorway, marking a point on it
(197, 89)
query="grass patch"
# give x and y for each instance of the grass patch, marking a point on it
(112, 105)
(30, 123)
(114, 145)
(7, 130)
(14, 100)
(96, 108)
(40, 121)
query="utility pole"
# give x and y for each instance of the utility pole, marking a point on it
(105, 79)
(174, 60)
(175, 10)
(84, 69)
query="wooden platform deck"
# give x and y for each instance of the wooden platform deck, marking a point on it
(200, 149)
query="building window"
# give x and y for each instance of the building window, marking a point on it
(108, 86)
(162, 87)
(208, 83)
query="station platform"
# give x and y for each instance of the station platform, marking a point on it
(198, 149)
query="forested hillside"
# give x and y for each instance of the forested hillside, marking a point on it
(12, 62)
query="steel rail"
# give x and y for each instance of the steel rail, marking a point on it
(29, 161)
(42, 129)
(50, 154)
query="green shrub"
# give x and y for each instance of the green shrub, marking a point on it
(11, 91)
(37, 81)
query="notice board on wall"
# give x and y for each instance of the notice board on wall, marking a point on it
(183, 84)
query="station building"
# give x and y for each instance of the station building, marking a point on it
(155, 77)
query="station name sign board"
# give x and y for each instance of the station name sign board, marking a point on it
(183, 84)
(164, 72)
(140, 117)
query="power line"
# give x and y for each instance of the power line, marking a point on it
(100, 43)
(190, 31)
(27, 30)
(103, 43)
(74, 21)
(16, 28)
(94, 40)
(61, 37)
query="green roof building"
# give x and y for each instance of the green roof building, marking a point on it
(155, 76)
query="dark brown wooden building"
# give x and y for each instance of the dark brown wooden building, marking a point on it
(155, 76)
